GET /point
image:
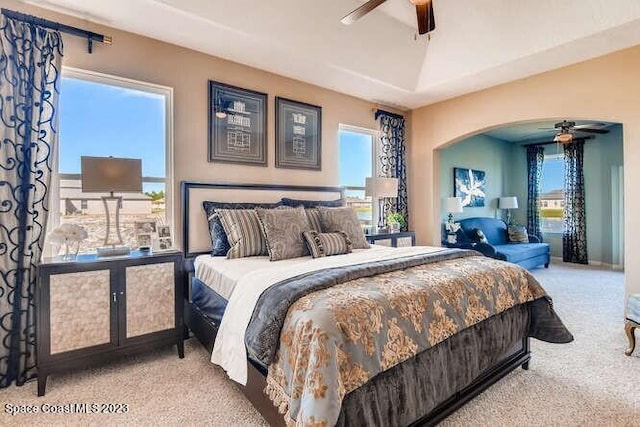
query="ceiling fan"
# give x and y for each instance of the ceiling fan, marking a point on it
(566, 130)
(424, 11)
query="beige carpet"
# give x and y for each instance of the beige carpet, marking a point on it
(587, 382)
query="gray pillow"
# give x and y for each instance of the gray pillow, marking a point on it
(313, 203)
(518, 234)
(244, 232)
(327, 244)
(345, 220)
(313, 215)
(283, 231)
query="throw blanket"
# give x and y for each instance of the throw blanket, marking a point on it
(335, 339)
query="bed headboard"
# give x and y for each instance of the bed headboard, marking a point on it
(195, 229)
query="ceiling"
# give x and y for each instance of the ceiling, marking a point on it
(543, 131)
(476, 44)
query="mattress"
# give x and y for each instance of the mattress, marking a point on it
(222, 274)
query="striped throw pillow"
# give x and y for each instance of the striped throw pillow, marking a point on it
(327, 244)
(313, 215)
(244, 232)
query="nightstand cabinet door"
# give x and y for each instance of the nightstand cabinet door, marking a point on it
(80, 311)
(150, 298)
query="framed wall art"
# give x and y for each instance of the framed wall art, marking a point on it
(237, 125)
(298, 135)
(469, 185)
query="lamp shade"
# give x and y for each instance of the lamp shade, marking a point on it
(454, 204)
(381, 187)
(510, 202)
(111, 174)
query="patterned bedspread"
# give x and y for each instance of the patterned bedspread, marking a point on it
(335, 339)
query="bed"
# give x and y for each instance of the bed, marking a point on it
(410, 378)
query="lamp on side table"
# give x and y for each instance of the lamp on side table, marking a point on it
(380, 188)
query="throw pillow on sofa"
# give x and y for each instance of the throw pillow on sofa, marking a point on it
(518, 234)
(481, 237)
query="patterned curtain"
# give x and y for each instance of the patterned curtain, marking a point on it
(30, 60)
(574, 238)
(392, 162)
(535, 159)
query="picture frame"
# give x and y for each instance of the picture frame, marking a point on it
(470, 186)
(150, 233)
(298, 135)
(237, 125)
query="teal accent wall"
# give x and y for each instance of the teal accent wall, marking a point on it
(480, 152)
(505, 165)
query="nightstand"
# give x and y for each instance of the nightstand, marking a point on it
(403, 238)
(93, 309)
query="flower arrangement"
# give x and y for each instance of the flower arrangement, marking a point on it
(452, 227)
(67, 235)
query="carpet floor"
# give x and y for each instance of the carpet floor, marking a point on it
(589, 382)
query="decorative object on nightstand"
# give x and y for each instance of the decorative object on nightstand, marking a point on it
(70, 236)
(632, 322)
(380, 188)
(402, 238)
(453, 205)
(396, 221)
(95, 309)
(111, 174)
(508, 203)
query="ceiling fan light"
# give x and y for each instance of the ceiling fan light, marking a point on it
(564, 137)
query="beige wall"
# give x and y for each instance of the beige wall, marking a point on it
(187, 72)
(605, 88)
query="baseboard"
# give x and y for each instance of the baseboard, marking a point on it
(595, 263)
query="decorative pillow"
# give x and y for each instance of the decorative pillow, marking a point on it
(219, 242)
(283, 230)
(244, 232)
(346, 220)
(327, 244)
(518, 234)
(481, 237)
(313, 203)
(313, 215)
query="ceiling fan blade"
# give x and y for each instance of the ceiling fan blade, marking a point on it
(426, 20)
(361, 11)
(588, 130)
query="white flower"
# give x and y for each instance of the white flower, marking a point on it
(68, 233)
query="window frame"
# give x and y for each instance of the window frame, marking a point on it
(126, 83)
(375, 142)
(547, 157)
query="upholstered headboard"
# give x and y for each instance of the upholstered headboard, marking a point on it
(195, 231)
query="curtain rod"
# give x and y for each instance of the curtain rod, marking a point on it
(539, 144)
(89, 35)
(379, 112)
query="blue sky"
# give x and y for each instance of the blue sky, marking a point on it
(553, 176)
(354, 146)
(103, 120)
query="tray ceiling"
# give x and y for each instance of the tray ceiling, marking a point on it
(476, 44)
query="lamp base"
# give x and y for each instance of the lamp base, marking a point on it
(107, 251)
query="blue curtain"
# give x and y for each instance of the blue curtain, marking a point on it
(392, 161)
(30, 61)
(574, 238)
(535, 160)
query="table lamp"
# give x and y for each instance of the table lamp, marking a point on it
(379, 188)
(508, 203)
(111, 174)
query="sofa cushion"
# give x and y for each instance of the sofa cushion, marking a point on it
(494, 229)
(516, 252)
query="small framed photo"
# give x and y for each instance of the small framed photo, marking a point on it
(298, 135)
(237, 125)
(144, 240)
(164, 231)
(145, 227)
(165, 243)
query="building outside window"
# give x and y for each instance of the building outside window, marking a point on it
(552, 197)
(104, 116)
(357, 156)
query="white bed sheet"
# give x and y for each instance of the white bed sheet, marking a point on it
(229, 351)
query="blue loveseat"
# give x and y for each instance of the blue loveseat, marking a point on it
(528, 255)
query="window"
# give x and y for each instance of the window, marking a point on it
(357, 149)
(552, 197)
(106, 116)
